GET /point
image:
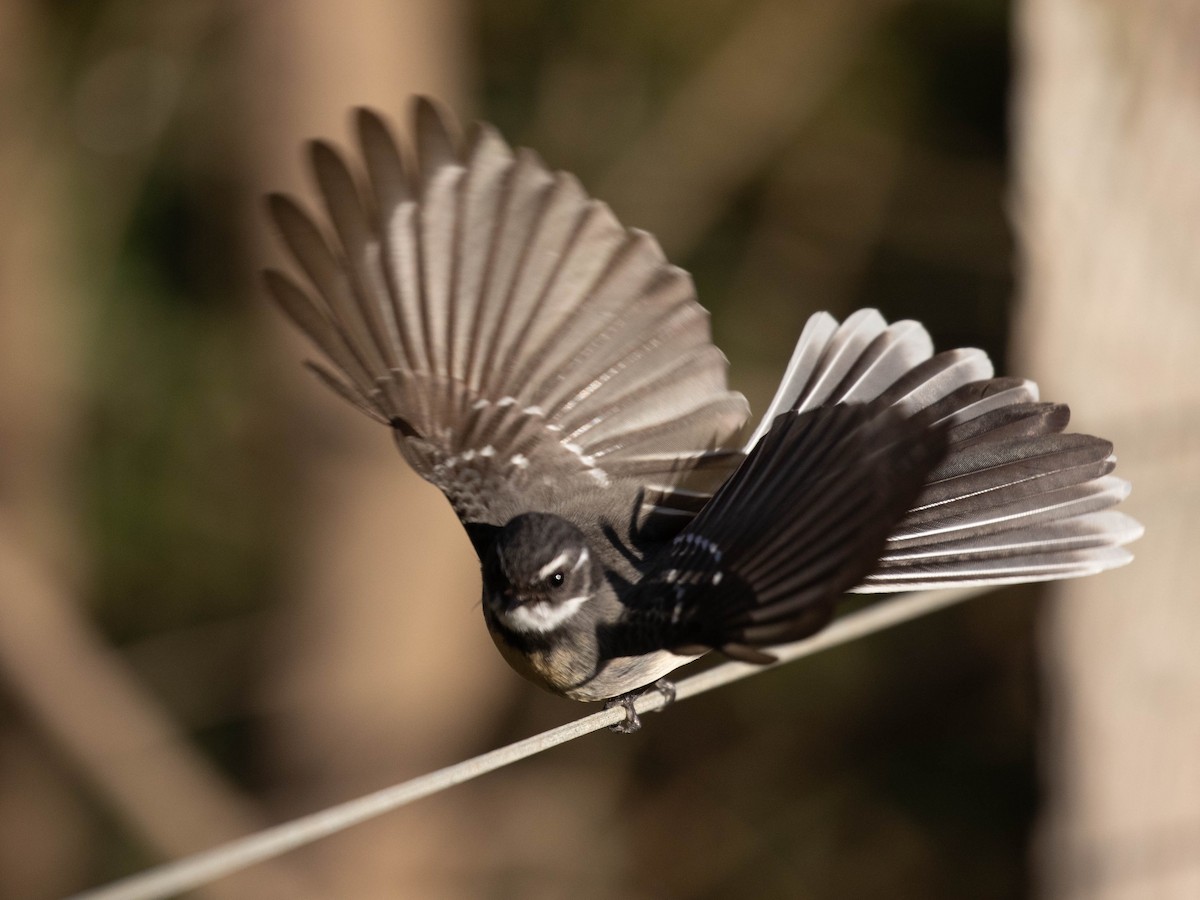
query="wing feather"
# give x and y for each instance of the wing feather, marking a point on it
(522, 342)
(800, 522)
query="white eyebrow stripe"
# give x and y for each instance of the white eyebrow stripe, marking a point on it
(583, 558)
(556, 563)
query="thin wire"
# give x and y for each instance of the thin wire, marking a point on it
(201, 868)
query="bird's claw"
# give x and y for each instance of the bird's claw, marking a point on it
(632, 721)
(666, 687)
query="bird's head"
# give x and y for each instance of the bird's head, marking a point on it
(538, 574)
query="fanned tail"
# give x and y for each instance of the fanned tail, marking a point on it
(1015, 498)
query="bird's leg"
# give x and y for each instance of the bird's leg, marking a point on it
(632, 721)
(666, 687)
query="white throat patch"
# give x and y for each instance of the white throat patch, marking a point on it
(543, 616)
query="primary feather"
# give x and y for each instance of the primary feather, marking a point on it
(516, 335)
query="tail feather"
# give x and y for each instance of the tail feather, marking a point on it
(1014, 499)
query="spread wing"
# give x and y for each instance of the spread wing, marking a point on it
(803, 520)
(519, 340)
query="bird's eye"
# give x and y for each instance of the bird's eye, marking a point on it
(556, 580)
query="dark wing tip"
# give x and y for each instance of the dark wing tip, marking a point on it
(436, 135)
(426, 110)
(281, 208)
(479, 133)
(368, 119)
(386, 168)
(322, 153)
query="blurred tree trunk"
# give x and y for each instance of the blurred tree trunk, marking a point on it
(384, 669)
(43, 835)
(82, 719)
(1108, 156)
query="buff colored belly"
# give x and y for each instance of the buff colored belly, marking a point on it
(626, 673)
(558, 672)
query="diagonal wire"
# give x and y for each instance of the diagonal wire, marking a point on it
(201, 868)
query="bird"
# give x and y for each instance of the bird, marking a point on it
(554, 376)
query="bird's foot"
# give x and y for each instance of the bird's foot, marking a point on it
(632, 721)
(666, 687)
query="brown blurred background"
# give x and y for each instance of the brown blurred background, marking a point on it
(224, 600)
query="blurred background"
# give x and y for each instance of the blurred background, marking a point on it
(225, 601)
